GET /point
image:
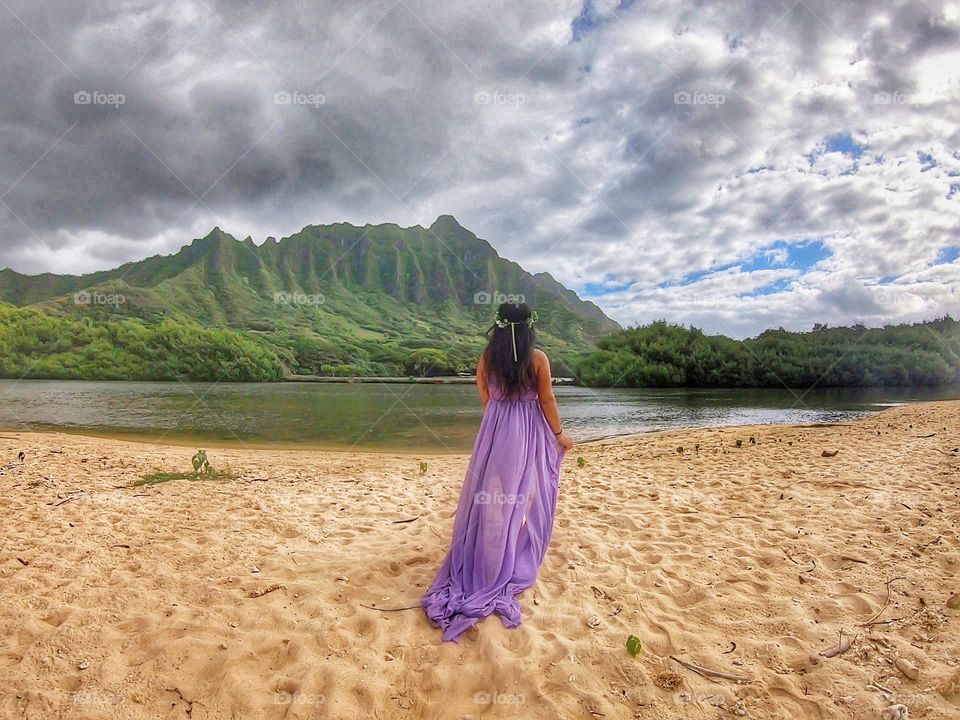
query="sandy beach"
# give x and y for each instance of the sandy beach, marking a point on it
(748, 551)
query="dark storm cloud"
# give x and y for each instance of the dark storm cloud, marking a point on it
(668, 139)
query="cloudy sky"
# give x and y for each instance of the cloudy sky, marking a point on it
(732, 165)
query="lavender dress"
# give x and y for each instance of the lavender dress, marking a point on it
(504, 517)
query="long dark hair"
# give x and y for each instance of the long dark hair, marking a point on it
(512, 376)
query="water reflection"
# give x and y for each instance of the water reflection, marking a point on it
(402, 417)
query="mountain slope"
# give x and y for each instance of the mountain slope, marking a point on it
(331, 299)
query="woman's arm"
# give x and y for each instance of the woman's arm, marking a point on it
(548, 401)
(482, 380)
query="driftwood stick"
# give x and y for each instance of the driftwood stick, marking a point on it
(708, 673)
(841, 647)
(885, 603)
(371, 607)
(884, 622)
(885, 691)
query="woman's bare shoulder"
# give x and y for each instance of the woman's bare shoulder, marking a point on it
(540, 357)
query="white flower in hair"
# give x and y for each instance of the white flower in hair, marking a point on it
(502, 323)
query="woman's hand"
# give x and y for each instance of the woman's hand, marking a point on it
(566, 442)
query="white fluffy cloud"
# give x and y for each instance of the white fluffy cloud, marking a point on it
(736, 166)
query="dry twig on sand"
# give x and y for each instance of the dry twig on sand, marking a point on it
(886, 602)
(708, 673)
(371, 607)
(842, 645)
(886, 692)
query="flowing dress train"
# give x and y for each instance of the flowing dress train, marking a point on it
(504, 517)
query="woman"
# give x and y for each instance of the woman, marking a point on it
(509, 497)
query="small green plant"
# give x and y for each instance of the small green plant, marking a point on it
(633, 645)
(202, 470)
(201, 464)
(753, 440)
(423, 468)
(580, 461)
(739, 443)
(680, 450)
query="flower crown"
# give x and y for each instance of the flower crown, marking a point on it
(501, 323)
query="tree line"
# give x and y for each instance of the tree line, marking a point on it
(666, 355)
(34, 344)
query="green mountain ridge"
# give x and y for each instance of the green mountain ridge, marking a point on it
(330, 299)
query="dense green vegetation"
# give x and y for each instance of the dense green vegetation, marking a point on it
(663, 355)
(36, 345)
(332, 300)
(340, 300)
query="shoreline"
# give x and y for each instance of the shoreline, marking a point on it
(260, 445)
(256, 596)
(227, 444)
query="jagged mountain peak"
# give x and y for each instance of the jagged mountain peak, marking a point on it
(365, 293)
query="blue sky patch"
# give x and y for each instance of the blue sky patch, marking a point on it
(843, 142)
(801, 255)
(584, 22)
(796, 255)
(604, 288)
(948, 254)
(927, 161)
(776, 286)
